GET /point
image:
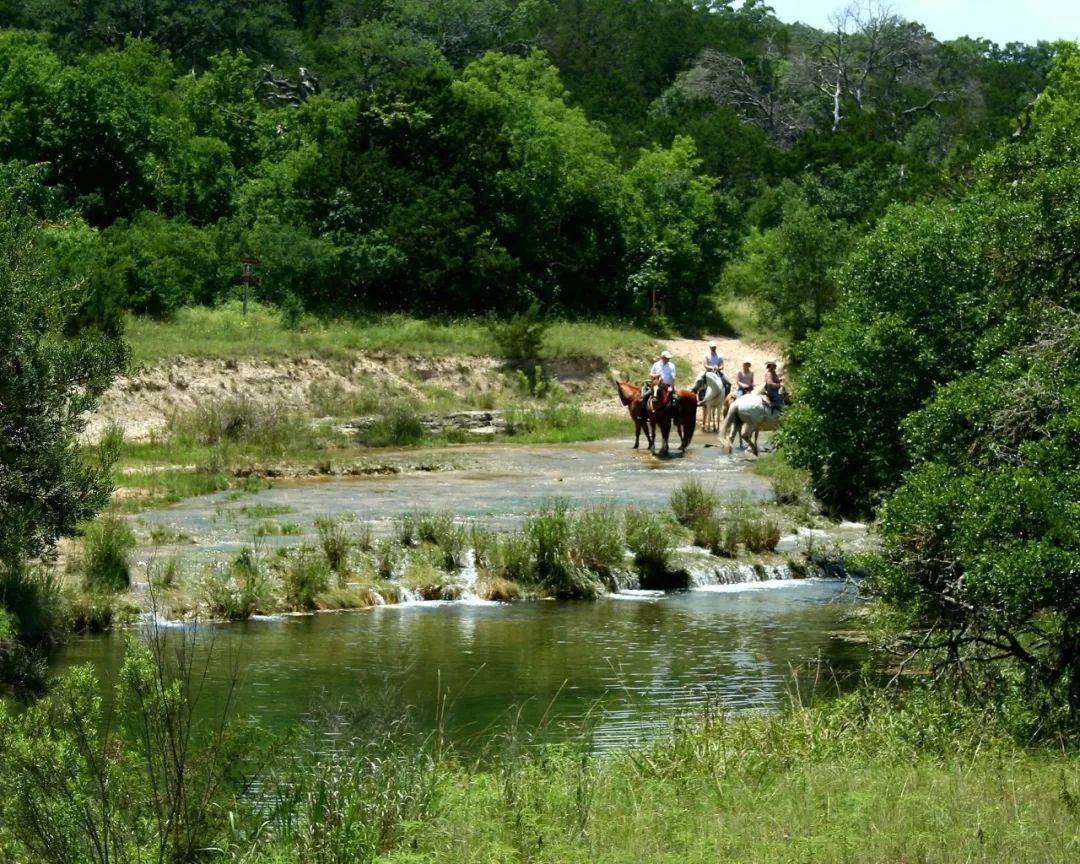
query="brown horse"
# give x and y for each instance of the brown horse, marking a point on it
(660, 415)
(630, 396)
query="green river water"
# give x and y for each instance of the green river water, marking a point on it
(623, 666)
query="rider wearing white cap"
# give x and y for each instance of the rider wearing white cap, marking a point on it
(662, 374)
(664, 369)
(714, 361)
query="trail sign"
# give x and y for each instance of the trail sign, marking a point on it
(248, 263)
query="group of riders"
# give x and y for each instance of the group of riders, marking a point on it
(662, 380)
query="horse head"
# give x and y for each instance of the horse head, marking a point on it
(628, 393)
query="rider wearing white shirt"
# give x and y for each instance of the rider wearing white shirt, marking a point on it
(714, 361)
(664, 369)
(662, 372)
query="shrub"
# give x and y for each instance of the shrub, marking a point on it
(31, 621)
(388, 557)
(107, 544)
(512, 558)
(142, 779)
(759, 535)
(241, 589)
(423, 577)
(598, 541)
(334, 542)
(397, 427)
(651, 542)
(364, 538)
(405, 529)
(240, 420)
(522, 337)
(719, 537)
(484, 544)
(691, 502)
(550, 534)
(450, 537)
(304, 576)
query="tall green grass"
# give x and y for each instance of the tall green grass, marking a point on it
(225, 333)
(107, 546)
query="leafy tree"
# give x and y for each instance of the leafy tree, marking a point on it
(47, 384)
(679, 232)
(979, 474)
(790, 267)
(556, 199)
(190, 30)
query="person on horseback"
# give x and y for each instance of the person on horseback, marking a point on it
(662, 374)
(714, 362)
(744, 379)
(773, 383)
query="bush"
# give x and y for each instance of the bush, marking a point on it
(719, 537)
(142, 779)
(550, 534)
(304, 576)
(239, 420)
(388, 555)
(512, 558)
(397, 427)
(405, 529)
(522, 337)
(759, 535)
(335, 544)
(31, 622)
(599, 546)
(239, 591)
(107, 544)
(651, 541)
(691, 502)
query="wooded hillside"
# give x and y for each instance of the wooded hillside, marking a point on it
(468, 156)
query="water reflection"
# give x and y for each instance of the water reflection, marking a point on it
(631, 662)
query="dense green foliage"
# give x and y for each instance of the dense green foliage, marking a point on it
(469, 156)
(947, 385)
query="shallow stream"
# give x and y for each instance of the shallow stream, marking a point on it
(623, 666)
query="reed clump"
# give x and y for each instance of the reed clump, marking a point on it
(107, 546)
(692, 502)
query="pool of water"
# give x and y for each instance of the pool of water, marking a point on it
(623, 666)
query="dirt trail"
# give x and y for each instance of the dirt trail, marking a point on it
(142, 403)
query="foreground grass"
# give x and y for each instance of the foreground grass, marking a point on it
(224, 333)
(822, 785)
(791, 788)
(869, 777)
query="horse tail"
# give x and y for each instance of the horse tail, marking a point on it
(727, 433)
(689, 418)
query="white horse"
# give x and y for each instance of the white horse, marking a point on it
(748, 415)
(716, 391)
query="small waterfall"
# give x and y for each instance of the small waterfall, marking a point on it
(731, 573)
(406, 595)
(468, 576)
